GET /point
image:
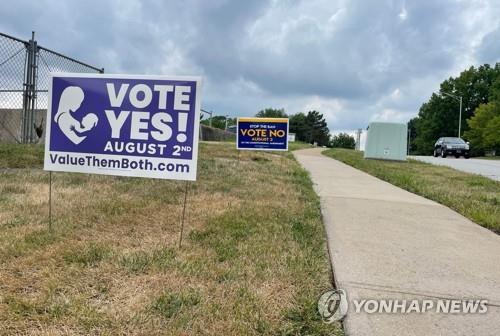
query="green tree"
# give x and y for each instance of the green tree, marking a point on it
(310, 127)
(484, 132)
(317, 129)
(439, 116)
(271, 113)
(343, 140)
(412, 129)
(297, 125)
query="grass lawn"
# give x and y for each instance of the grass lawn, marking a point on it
(474, 196)
(20, 156)
(253, 261)
(298, 145)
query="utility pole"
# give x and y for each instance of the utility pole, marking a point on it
(227, 116)
(460, 119)
(358, 139)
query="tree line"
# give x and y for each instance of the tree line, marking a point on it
(480, 124)
(310, 127)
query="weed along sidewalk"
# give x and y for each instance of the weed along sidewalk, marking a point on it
(111, 264)
(408, 265)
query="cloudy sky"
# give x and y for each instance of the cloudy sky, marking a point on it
(353, 60)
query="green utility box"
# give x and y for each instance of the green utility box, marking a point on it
(386, 141)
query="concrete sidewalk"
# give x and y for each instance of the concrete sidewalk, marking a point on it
(388, 243)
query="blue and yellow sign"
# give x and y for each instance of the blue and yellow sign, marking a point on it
(262, 134)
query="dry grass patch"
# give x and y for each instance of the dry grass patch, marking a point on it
(253, 260)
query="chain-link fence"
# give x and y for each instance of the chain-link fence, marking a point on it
(24, 82)
(208, 133)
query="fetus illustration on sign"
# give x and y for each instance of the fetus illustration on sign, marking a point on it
(70, 101)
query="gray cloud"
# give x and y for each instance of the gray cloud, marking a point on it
(353, 60)
(489, 51)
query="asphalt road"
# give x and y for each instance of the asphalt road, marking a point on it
(387, 243)
(488, 168)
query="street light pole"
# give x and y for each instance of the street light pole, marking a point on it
(460, 120)
(227, 116)
(458, 98)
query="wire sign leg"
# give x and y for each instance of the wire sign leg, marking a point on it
(50, 200)
(183, 214)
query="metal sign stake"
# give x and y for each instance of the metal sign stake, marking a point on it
(183, 214)
(50, 200)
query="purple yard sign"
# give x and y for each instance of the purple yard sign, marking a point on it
(145, 126)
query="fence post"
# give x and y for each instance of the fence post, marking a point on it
(33, 70)
(29, 91)
(34, 83)
(27, 77)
